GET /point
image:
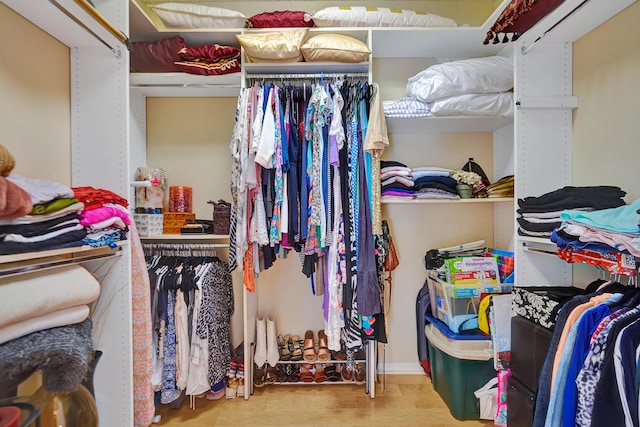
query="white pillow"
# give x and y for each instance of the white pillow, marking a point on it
(477, 75)
(188, 15)
(361, 16)
(472, 104)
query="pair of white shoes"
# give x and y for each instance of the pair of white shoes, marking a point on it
(266, 343)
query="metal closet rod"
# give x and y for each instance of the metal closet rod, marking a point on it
(258, 76)
(57, 263)
(525, 49)
(179, 246)
(115, 32)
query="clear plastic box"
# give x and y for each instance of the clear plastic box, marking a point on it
(457, 306)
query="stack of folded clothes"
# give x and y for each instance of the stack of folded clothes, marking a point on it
(432, 182)
(53, 222)
(539, 216)
(396, 180)
(608, 238)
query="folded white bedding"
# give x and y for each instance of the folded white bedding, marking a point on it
(64, 317)
(40, 292)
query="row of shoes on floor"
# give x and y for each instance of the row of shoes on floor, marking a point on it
(235, 374)
(272, 348)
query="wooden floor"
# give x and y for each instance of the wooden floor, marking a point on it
(408, 400)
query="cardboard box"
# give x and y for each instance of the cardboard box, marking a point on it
(174, 221)
(472, 271)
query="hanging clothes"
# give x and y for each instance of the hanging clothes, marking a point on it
(192, 304)
(589, 374)
(301, 180)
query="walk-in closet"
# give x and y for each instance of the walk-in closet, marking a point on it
(76, 112)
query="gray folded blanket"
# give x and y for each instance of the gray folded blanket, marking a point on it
(63, 354)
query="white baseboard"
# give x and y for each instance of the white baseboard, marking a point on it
(413, 368)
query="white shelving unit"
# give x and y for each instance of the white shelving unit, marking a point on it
(391, 43)
(455, 124)
(543, 121)
(407, 201)
(99, 130)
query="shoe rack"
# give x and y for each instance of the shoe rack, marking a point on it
(292, 360)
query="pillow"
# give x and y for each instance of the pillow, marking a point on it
(477, 75)
(210, 68)
(283, 46)
(484, 104)
(188, 15)
(281, 19)
(156, 57)
(364, 16)
(335, 47)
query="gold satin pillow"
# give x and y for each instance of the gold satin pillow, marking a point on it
(335, 48)
(281, 46)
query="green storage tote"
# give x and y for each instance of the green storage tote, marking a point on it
(458, 368)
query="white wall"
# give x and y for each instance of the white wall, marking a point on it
(34, 99)
(605, 124)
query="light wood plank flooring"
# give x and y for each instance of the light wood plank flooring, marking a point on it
(408, 400)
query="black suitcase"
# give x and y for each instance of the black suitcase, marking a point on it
(423, 303)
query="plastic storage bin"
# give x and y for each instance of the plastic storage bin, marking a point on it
(457, 306)
(458, 368)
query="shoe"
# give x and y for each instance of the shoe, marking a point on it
(216, 392)
(319, 376)
(348, 368)
(360, 368)
(324, 355)
(232, 382)
(309, 350)
(294, 347)
(240, 377)
(346, 373)
(258, 376)
(260, 355)
(306, 373)
(332, 371)
(273, 355)
(271, 374)
(293, 374)
(282, 373)
(285, 354)
(360, 373)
